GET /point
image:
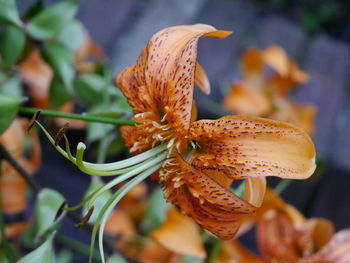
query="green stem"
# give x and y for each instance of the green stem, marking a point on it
(77, 246)
(214, 251)
(90, 118)
(282, 185)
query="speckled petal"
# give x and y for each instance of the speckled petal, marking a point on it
(244, 147)
(276, 238)
(134, 90)
(210, 204)
(129, 135)
(166, 70)
(336, 251)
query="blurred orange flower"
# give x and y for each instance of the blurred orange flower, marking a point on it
(37, 75)
(12, 185)
(205, 156)
(177, 235)
(263, 94)
(285, 235)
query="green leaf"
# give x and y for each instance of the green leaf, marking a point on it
(90, 87)
(12, 44)
(43, 254)
(190, 259)
(9, 12)
(8, 110)
(116, 146)
(3, 257)
(72, 35)
(95, 130)
(8, 254)
(49, 201)
(64, 256)
(33, 10)
(61, 60)
(95, 184)
(116, 259)
(122, 105)
(156, 211)
(59, 94)
(11, 86)
(49, 22)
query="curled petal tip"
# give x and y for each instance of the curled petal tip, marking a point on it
(218, 34)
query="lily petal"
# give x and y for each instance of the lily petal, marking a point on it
(201, 79)
(337, 250)
(252, 66)
(314, 234)
(247, 100)
(180, 234)
(244, 147)
(210, 204)
(166, 70)
(276, 58)
(275, 237)
(255, 189)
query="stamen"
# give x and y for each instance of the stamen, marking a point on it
(86, 218)
(33, 120)
(60, 211)
(60, 133)
(91, 198)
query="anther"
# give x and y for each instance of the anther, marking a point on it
(32, 121)
(85, 219)
(60, 133)
(60, 211)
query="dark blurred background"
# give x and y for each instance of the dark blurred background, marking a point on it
(314, 33)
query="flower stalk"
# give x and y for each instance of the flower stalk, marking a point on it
(74, 116)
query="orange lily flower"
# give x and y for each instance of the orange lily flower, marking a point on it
(195, 161)
(205, 156)
(264, 95)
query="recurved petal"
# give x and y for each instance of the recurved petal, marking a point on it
(134, 90)
(276, 58)
(275, 237)
(338, 249)
(180, 234)
(252, 65)
(166, 68)
(210, 204)
(201, 79)
(243, 147)
(247, 100)
(314, 234)
(254, 191)
(206, 216)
